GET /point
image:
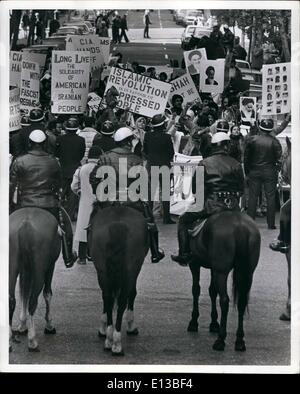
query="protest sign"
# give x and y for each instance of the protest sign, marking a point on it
(15, 64)
(248, 110)
(276, 88)
(212, 76)
(91, 43)
(14, 109)
(94, 101)
(105, 48)
(185, 87)
(181, 194)
(193, 60)
(30, 86)
(138, 93)
(70, 82)
(15, 68)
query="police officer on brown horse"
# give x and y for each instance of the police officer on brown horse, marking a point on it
(223, 184)
(37, 178)
(123, 138)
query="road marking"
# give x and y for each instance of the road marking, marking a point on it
(158, 12)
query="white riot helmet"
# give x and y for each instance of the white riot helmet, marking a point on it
(37, 136)
(219, 137)
(122, 133)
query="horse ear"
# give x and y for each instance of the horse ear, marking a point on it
(288, 143)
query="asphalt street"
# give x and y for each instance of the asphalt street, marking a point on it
(162, 312)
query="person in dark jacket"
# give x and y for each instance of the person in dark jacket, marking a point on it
(223, 185)
(261, 157)
(123, 138)
(105, 139)
(70, 150)
(37, 178)
(21, 140)
(238, 51)
(146, 23)
(116, 20)
(159, 151)
(123, 26)
(54, 25)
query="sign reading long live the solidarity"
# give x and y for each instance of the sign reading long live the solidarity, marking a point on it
(138, 93)
(70, 82)
(30, 86)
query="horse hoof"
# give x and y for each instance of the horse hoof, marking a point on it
(100, 335)
(192, 327)
(133, 332)
(240, 346)
(284, 317)
(48, 331)
(34, 349)
(214, 328)
(118, 354)
(219, 345)
(25, 332)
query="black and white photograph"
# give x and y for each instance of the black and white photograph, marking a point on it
(193, 60)
(147, 214)
(212, 76)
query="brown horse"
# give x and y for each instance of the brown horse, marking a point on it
(34, 247)
(119, 243)
(229, 240)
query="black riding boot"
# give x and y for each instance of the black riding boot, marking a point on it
(67, 239)
(184, 255)
(156, 253)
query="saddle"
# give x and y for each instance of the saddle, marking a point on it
(197, 226)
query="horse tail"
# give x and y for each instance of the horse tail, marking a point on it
(25, 263)
(242, 272)
(116, 255)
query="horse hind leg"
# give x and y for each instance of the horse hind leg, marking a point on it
(103, 319)
(117, 349)
(32, 305)
(214, 325)
(47, 293)
(108, 307)
(12, 306)
(22, 328)
(220, 281)
(131, 327)
(193, 324)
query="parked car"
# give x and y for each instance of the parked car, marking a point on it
(191, 17)
(193, 31)
(179, 15)
(67, 30)
(85, 25)
(253, 76)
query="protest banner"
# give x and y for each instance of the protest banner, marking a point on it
(193, 60)
(70, 82)
(91, 43)
(15, 64)
(14, 109)
(182, 198)
(138, 93)
(212, 76)
(185, 87)
(30, 86)
(276, 88)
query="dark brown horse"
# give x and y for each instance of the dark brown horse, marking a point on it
(119, 243)
(34, 247)
(228, 241)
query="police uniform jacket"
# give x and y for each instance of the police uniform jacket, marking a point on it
(38, 178)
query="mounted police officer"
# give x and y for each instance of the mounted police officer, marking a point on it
(36, 176)
(123, 138)
(223, 185)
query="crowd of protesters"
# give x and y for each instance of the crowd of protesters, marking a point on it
(77, 141)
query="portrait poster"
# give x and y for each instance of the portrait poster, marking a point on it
(193, 60)
(212, 76)
(248, 110)
(276, 89)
